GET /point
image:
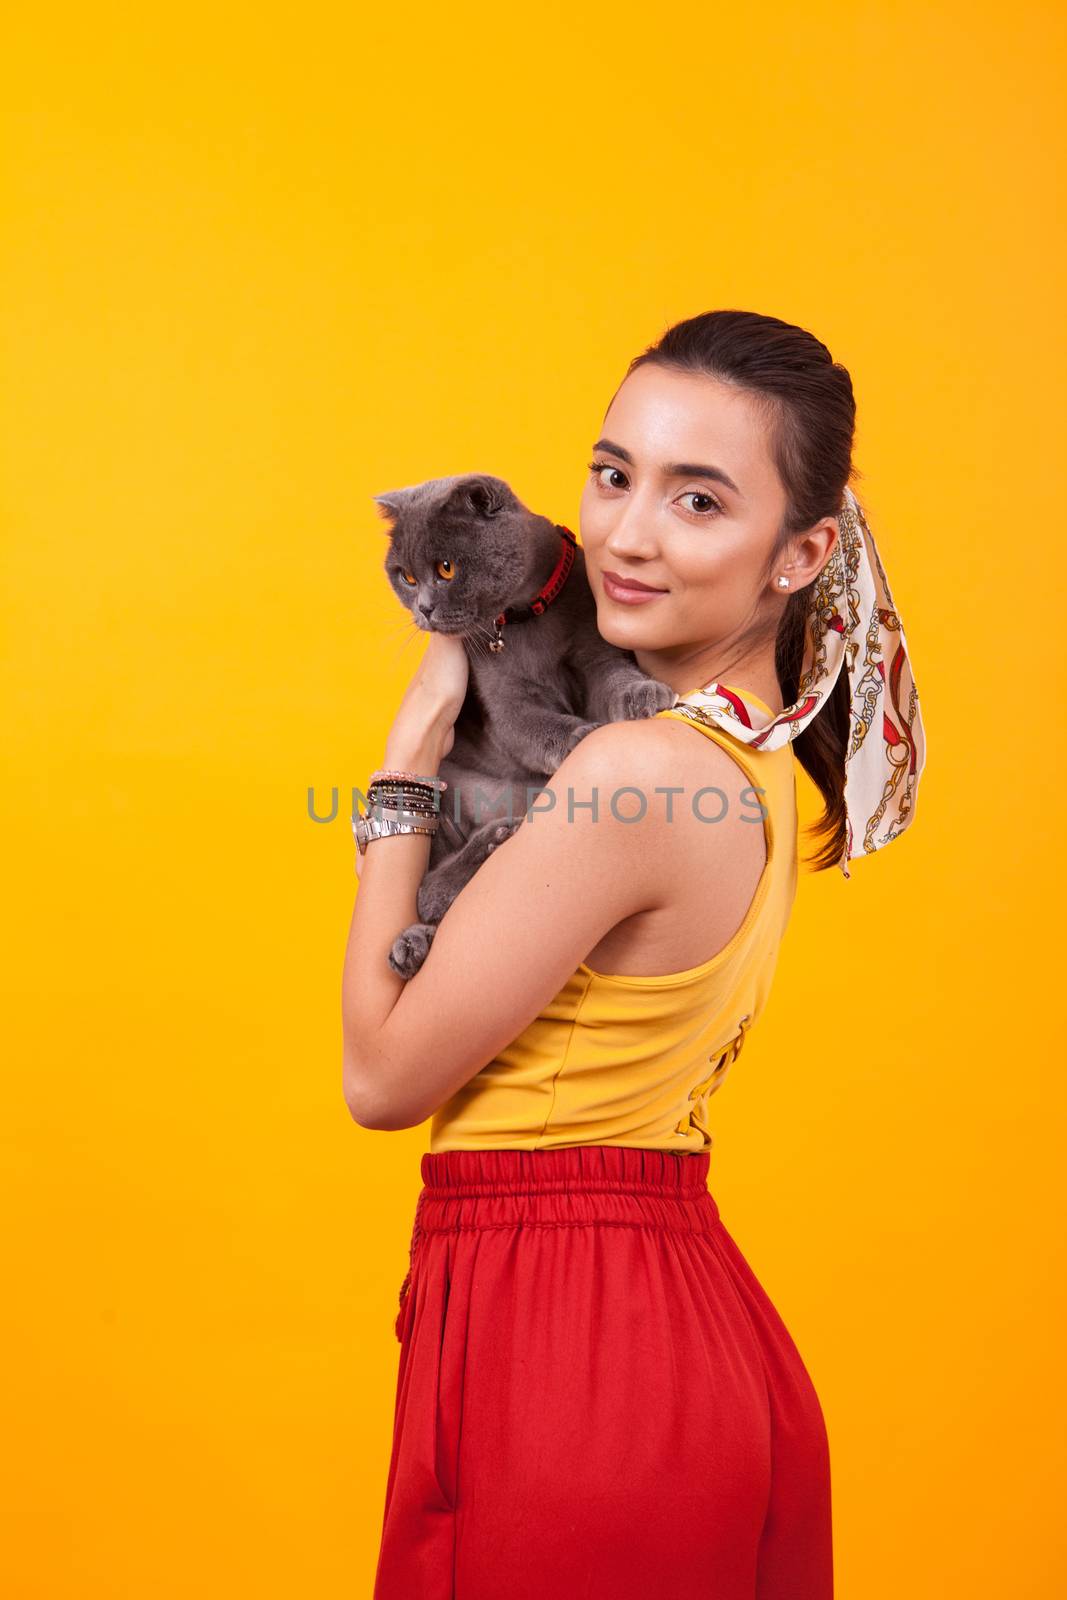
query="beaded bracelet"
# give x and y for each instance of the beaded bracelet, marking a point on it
(416, 799)
(420, 777)
(401, 786)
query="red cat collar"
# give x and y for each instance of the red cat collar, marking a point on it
(547, 592)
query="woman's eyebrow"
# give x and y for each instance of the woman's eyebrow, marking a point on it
(674, 469)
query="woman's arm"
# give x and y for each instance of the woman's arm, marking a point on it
(419, 739)
(514, 934)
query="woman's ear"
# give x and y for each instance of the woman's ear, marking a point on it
(812, 550)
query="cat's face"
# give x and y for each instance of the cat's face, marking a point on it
(458, 549)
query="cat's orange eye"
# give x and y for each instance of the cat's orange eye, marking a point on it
(408, 577)
(445, 569)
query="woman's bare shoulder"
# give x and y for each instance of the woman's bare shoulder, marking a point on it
(651, 753)
(684, 798)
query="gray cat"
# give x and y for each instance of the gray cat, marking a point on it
(467, 557)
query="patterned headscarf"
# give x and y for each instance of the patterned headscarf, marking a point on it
(851, 622)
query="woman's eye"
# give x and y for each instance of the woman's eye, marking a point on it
(707, 505)
(597, 468)
(408, 577)
(711, 506)
(445, 569)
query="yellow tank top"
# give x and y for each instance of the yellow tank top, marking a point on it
(624, 1060)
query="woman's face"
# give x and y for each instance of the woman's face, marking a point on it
(685, 498)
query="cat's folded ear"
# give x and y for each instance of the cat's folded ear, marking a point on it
(391, 504)
(485, 494)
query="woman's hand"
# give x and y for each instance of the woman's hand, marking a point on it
(423, 729)
(423, 733)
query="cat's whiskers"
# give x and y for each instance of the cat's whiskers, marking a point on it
(477, 637)
(412, 633)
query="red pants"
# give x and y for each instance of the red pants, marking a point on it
(595, 1396)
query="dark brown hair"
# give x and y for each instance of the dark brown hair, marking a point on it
(808, 401)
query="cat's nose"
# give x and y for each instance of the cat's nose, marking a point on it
(428, 610)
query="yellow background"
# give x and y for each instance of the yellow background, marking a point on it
(261, 264)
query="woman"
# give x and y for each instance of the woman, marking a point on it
(595, 1395)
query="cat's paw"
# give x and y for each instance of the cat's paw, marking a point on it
(641, 697)
(410, 948)
(557, 750)
(502, 831)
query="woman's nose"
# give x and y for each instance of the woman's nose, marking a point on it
(632, 533)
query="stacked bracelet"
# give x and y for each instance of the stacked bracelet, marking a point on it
(416, 777)
(398, 802)
(409, 797)
(401, 808)
(411, 791)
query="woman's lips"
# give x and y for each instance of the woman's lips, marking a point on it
(627, 591)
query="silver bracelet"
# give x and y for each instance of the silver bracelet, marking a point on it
(385, 824)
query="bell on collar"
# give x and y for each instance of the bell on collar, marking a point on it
(497, 643)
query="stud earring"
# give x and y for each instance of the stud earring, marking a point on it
(783, 581)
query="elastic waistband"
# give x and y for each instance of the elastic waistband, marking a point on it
(570, 1185)
(569, 1167)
